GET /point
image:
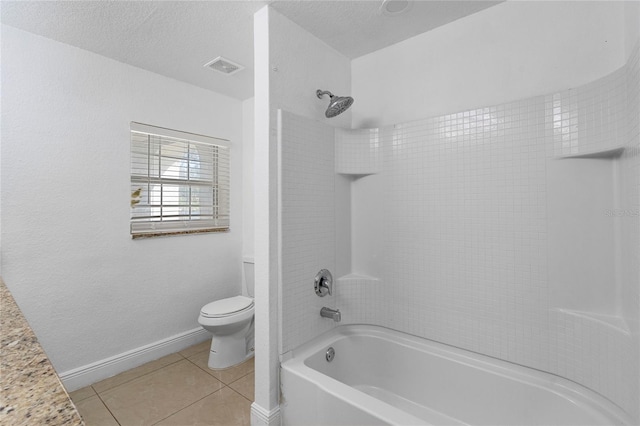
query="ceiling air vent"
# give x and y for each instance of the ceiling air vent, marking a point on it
(224, 66)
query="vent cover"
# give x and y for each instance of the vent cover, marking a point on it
(224, 66)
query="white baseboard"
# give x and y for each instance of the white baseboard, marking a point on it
(108, 367)
(263, 417)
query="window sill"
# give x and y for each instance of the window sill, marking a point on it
(170, 234)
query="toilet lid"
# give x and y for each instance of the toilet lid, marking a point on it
(225, 307)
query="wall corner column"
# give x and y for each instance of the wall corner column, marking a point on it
(265, 409)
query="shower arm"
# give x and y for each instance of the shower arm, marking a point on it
(321, 93)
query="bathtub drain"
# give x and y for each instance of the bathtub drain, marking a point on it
(330, 354)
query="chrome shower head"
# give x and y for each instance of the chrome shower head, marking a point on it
(337, 104)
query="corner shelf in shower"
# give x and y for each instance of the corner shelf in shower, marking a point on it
(356, 175)
(358, 278)
(610, 154)
(614, 322)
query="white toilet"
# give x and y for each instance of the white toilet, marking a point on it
(231, 323)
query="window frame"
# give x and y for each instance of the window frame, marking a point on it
(152, 221)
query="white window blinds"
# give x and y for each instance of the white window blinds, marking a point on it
(179, 182)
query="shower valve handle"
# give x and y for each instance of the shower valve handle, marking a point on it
(323, 283)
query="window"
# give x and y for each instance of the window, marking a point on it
(179, 182)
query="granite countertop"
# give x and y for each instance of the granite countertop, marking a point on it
(31, 391)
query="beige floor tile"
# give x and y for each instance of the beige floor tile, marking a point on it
(245, 386)
(200, 347)
(94, 413)
(80, 394)
(224, 407)
(134, 373)
(157, 395)
(226, 376)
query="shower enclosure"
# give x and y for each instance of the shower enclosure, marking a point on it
(489, 201)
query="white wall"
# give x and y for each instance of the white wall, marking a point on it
(301, 64)
(631, 25)
(291, 65)
(265, 408)
(511, 51)
(248, 233)
(86, 288)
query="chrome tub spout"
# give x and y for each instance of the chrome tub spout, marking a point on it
(334, 314)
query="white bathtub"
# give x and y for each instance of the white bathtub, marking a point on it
(380, 376)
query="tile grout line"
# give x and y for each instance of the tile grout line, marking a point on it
(242, 377)
(137, 377)
(208, 372)
(240, 394)
(76, 401)
(195, 402)
(158, 369)
(98, 394)
(107, 407)
(224, 385)
(142, 375)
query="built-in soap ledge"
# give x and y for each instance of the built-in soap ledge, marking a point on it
(356, 175)
(357, 278)
(609, 153)
(611, 321)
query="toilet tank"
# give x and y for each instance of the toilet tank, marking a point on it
(248, 275)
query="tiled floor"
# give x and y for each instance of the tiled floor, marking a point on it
(177, 390)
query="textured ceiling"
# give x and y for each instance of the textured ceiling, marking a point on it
(355, 28)
(172, 38)
(176, 38)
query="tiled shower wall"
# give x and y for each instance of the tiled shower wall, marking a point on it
(358, 152)
(464, 236)
(631, 203)
(600, 117)
(307, 223)
(463, 230)
(630, 231)
(464, 227)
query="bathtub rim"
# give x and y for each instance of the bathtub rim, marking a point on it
(294, 362)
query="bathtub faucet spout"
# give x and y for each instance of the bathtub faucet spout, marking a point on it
(334, 314)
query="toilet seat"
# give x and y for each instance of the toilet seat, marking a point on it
(227, 307)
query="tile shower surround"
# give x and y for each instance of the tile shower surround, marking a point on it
(464, 232)
(308, 225)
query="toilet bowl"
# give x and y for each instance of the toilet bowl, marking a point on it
(230, 321)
